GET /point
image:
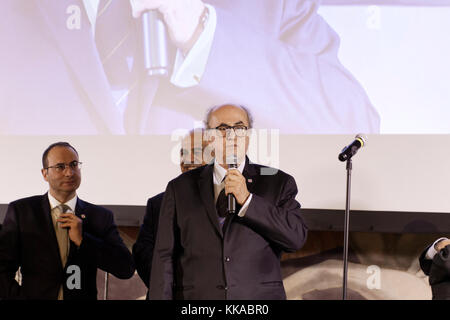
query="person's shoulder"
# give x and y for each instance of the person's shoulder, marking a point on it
(28, 200)
(192, 175)
(268, 172)
(90, 207)
(156, 199)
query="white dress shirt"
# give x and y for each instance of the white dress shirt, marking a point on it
(218, 176)
(72, 203)
(431, 250)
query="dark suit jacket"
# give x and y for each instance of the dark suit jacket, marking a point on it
(438, 271)
(28, 241)
(143, 248)
(195, 259)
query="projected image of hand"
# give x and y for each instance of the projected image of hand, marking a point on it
(181, 16)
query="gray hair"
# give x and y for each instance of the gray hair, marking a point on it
(214, 108)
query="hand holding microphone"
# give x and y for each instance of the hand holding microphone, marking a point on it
(182, 18)
(236, 188)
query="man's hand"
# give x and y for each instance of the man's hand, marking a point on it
(442, 244)
(74, 224)
(235, 184)
(181, 16)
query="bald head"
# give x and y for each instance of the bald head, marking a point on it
(229, 124)
(224, 112)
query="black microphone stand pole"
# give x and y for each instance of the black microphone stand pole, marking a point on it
(346, 228)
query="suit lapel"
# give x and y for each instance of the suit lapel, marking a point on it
(80, 209)
(80, 212)
(50, 229)
(78, 48)
(205, 184)
(251, 175)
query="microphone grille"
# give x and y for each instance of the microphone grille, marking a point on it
(363, 139)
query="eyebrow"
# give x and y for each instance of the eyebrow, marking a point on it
(224, 124)
(62, 163)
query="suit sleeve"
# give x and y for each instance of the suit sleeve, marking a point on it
(439, 271)
(108, 250)
(298, 62)
(280, 223)
(442, 259)
(145, 243)
(425, 264)
(162, 271)
(9, 256)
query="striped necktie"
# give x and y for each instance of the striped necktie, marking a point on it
(62, 235)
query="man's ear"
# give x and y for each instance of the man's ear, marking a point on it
(44, 174)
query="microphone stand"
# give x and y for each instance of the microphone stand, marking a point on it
(346, 228)
(105, 293)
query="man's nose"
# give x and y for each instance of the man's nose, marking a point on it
(68, 171)
(230, 134)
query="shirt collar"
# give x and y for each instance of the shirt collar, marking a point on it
(54, 203)
(220, 172)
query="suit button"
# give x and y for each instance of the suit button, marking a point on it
(226, 288)
(227, 259)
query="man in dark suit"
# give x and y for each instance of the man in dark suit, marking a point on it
(204, 252)
(193, 154)
(59, 240)
(435, 263)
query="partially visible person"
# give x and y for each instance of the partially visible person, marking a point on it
(58, 240)
(194, 153)
(435, 263)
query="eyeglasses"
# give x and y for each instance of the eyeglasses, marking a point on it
(240, 131)
(60, 167)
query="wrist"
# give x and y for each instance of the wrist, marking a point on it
(245, 199)
(78, 242)
(202, 20)
(439, 245)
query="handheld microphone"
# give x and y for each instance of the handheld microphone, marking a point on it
(154, 36)
(350, 150)
(231, 200)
